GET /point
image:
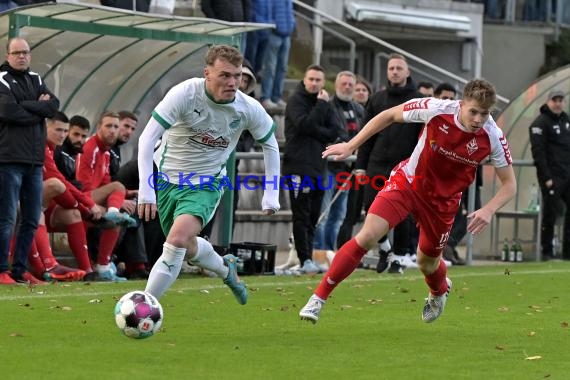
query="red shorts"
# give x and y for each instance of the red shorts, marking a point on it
(398, 199)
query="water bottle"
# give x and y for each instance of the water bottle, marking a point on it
(533, 204)
(513, 252)
(505, 251)
(518, 252)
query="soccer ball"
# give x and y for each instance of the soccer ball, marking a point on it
(138, 314)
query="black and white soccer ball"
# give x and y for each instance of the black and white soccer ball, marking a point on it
(138, 314)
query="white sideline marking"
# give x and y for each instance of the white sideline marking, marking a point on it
(313, 280)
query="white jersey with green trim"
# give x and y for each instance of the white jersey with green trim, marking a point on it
(201, 134)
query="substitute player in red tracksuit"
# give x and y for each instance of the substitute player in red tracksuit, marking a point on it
(93, 172)
(65, 207)
(458, 135)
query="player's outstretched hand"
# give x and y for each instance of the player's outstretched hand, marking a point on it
(147, 211)
(479, 220)
(340, 151)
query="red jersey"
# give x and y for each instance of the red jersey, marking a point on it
(445, 159)
(93, 164)
(50, 170)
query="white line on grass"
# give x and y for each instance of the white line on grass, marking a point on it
(43, 292)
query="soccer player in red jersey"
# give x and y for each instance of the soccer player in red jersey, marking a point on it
(458, 135)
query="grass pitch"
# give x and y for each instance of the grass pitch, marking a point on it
(500, 322)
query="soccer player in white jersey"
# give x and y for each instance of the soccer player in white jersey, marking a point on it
(457, 136)
(200, 121)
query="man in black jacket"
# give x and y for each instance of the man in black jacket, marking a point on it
(310, 125)
(25, 102)
(377, 157)
(350, 118)
(550, 146)
(66, 154)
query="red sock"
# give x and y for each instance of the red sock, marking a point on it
(116, 199)
(44, 247)
(106, 245)
(436, 281)
(133, 267)
(345, 262)
(78, 245)
(36, 264)
(66, 200)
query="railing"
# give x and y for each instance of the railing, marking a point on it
(556, 12)
(444, 73)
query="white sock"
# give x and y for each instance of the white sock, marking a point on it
(385, 245)
(165, 270)
(100, 268)
(208, 259)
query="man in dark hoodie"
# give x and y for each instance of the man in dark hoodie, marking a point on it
(550, 146)
(379, 155)
(25, 102)
(310, 125)
(66, 154)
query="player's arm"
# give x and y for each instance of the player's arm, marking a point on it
(375, 125)
(270, 201)
(481, 218)
(147, 197)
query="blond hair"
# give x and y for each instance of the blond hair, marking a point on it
(482, 91)
(224, 52)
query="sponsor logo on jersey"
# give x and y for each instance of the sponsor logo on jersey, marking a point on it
(472, 146)
(416, 104)
(455, 157)
(235, 123)
(433, 145)
(204, 138)
(444, 128)
(536, 131)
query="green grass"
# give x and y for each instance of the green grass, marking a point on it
(370, 329)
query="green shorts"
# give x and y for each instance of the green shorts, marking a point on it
(174, 200)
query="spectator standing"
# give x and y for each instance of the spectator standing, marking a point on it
(257, 40)
(229, 10)
(426, 88)
(350, 118)
(445, 91)
(130, 5)
(550, 147)
(381, 153)
(25, 102)
(362, 92)
(310, 125)
(276, 55)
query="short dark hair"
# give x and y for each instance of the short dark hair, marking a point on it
(316, 68)
(127, 115)
(79, 121)
(60, 116)
(425, 84)
(444, 87)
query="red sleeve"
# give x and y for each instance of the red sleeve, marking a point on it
(85, 169)
(51, 171)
